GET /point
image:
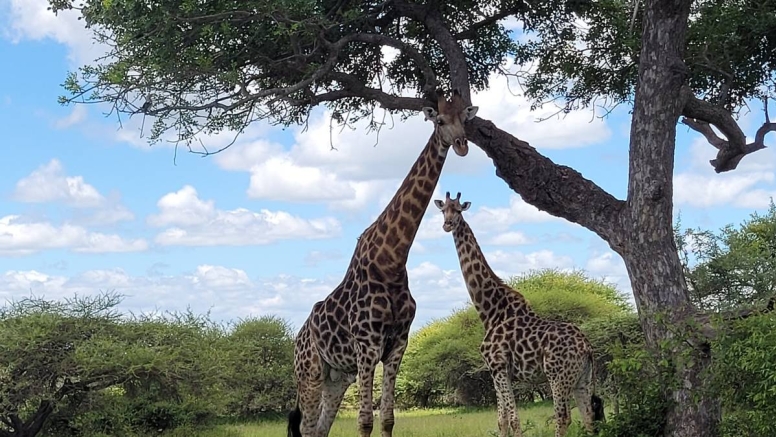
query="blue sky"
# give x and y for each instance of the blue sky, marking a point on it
(268, 226)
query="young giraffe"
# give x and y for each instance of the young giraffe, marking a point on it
(367, 318)
(518, 344)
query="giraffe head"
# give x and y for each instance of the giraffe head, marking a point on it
(448, 121)
(451, 210)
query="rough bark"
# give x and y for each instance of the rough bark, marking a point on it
(650, 253)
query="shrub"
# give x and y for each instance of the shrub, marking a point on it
(744, 376)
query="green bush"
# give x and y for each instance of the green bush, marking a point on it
(642, 382)
(607, 336)
(744, 376)
(259, 371)
(439, 359)
(569, 296)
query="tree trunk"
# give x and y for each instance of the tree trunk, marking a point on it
(649, 250)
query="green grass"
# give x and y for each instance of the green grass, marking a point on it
(536, 421)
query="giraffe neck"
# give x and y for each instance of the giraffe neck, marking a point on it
(487, 291)
(395, 228)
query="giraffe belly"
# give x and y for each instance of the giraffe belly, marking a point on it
(338, 350)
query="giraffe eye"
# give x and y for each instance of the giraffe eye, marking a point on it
(440, 122)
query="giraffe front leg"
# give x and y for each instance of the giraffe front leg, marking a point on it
(507, 410)
(390, 370)
(368, 357)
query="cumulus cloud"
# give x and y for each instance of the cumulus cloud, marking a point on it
(31, 19)
(227, 292)
(511, 238)
(610, 267)
(751, 185)
(507, 264)
(500, 219)
(77, 115)
(48, 183)
(192, 221)
(23, 237)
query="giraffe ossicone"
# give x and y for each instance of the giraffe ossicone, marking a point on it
(518, 344)
(366, 319)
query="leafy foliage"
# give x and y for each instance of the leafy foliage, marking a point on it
(260, 355)
(734, 267)
(209, 66)
(744, 374)
(593, 54)
(570, 297)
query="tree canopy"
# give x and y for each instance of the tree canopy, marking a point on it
(208, 66)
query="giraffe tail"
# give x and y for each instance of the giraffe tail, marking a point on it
(295, 422)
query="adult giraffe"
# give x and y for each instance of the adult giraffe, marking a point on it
(518, 344)
(367, 318)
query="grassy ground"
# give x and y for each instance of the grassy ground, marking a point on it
(536, 422)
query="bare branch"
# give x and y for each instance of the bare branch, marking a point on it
(431, 83)
(353, 87)
(705, 129)
(556, 189)
(731, 152)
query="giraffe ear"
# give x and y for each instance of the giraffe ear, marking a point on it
(471, 111)
(439, 204)
(465, 206)
(430, 113)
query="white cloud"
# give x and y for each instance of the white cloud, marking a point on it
(194, 222)
(30, 19)
(512, 113)
(500, 219)
(751, 185)
(23, 237)
(510, 238)
(229, 293)
(507, 264)
(77, 115)
(609, 266)
(48, 183)
(436, 290)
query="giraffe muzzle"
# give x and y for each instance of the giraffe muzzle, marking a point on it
(461, 146)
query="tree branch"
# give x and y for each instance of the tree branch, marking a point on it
(556, 189)
(353, 87)
(432, 18)
(429, 77)
(471, 32)
(34, 425)
(699, 115)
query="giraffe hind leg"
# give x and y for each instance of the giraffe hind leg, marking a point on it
(391, 363)
(333, 391)
(507, 410)
(560, 397)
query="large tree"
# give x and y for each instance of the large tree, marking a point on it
(201, 67)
